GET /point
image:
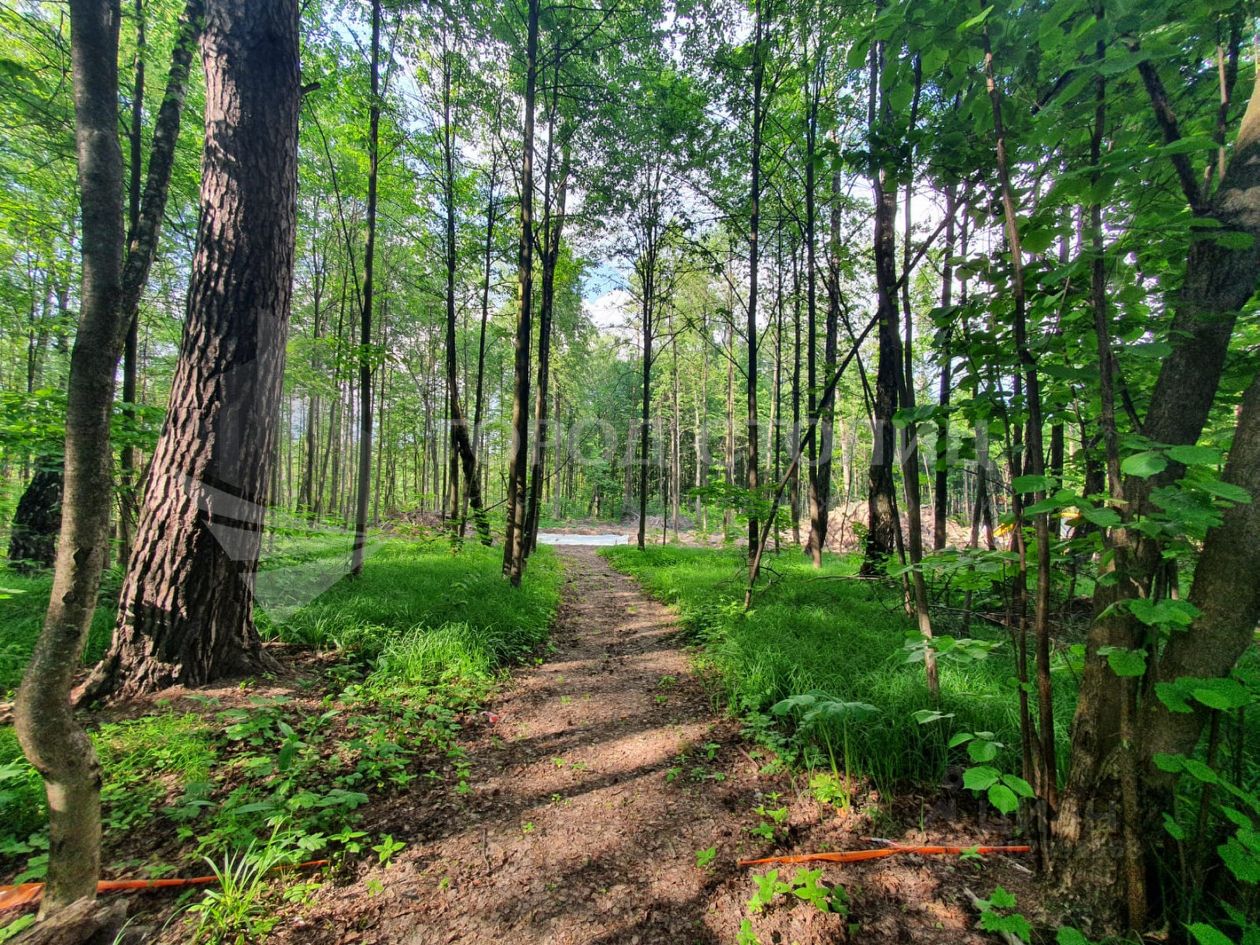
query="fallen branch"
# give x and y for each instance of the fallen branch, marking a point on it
(11, 897)
(858, 856)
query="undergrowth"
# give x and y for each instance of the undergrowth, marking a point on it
(843, 640)
(411, 646)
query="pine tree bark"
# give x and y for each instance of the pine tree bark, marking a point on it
(51, 737)
(186, 608)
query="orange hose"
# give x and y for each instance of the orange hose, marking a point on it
(857, 856)
(13, 896)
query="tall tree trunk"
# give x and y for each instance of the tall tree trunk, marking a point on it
(940, 520)
(819, 485)
(881, 536)
(910, 433)
(554, 190)
(365, 320)
(461, 446)
(645, 404)
(186, 608)
(514, 542)
(754, 227)
(52, 739)
(145, 222)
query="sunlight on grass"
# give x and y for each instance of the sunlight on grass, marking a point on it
(812, 630)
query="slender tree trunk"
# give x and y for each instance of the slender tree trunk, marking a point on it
(186, 608)
(514, 542)
(645, 404)
(145, 222)
(940, 523)
(553, 227)
(51, 737)
(365, 320)
(754, 227)
(881, 537)
(461, 446)
(910, 433)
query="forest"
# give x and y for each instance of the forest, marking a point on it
(630, 471)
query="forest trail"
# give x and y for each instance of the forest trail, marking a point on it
(595, 778)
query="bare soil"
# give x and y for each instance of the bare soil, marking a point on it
(596, 777)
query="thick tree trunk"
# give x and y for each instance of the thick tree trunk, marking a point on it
(186, 609)
(1219, 281)
(37, 519)
(52, 739)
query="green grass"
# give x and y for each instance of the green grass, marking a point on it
(409, 589)
(813, 631)
(23, 601)
(423, 635)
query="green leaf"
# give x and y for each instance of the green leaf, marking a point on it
(1103, 517)
(1145, 464)
(1222, 694)
(1207, 935)
(1243, 862)
(1030, 484)
(1225, 490)
(1124, 662)
(975, 21)
(980, 778)
(1018, 785)
(1070, 936)
(1194, 455)
(1003, 798)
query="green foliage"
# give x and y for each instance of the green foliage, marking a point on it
(997, 914)
(826, 677)
(221, 781)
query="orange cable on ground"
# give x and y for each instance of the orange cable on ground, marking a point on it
(11, 897)
(857, 856)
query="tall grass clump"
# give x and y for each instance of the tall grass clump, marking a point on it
(422, 614)
(816, 632)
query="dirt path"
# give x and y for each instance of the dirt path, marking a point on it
(601, 774)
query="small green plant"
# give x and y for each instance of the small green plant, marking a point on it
(705, 858)
(236, 911)
(805, 885)
(386, 849)
(998, 915)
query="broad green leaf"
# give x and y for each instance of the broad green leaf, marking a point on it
(1003, 798)
(1207, 935)
(980, 778)
(1145, 464)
